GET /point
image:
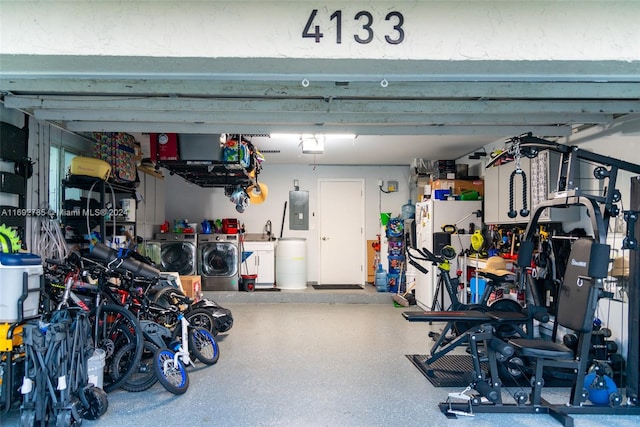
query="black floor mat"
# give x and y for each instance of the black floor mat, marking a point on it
(453, 370)
(321, 287)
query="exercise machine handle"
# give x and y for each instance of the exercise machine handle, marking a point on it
(501, 347)
(541, 316)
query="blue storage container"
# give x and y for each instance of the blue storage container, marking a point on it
(476, 294)
(393, 281)
(441, 194)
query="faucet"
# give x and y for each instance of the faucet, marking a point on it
(267, 229)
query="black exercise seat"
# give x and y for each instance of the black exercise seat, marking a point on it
(446, 316)
(474, 319)
(577, 302)
(465, 315)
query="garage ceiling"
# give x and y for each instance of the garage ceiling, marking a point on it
(399, 110)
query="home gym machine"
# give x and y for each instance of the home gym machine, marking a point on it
(505, 315)
(582, 286)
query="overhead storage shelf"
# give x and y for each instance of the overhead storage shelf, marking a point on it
(208, 173)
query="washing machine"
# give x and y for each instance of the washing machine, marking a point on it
(219, 261)
(175, 252)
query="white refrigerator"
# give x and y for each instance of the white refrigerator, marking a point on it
(431, 216)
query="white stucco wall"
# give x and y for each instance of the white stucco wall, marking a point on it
(433, 29)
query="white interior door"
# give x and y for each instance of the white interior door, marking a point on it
(341, 232)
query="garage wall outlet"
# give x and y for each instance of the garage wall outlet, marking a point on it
(380, 183)
(392, 186)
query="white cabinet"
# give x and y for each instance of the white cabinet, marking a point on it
(497, 193)
(260, 260)
(151, 208)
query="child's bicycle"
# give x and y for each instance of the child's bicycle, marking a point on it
(170, 363)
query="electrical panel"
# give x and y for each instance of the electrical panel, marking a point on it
(298, 210)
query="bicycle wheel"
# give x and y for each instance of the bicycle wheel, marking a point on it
(204, 346)
(143, 376)
(113, 328)
(171, 374)
(202, 318)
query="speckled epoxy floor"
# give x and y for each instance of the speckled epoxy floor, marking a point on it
(296, 364)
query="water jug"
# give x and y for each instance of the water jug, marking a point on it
(381, 279)
(408, 210)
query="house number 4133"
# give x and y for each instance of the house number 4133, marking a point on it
(365, 33)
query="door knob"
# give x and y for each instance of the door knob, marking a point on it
(325, 238)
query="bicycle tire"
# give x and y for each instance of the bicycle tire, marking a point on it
(116, 328)
(174, 378)
(202, 318)
(143, 377)
(204, 346)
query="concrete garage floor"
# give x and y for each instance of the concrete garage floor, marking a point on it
(311, 364)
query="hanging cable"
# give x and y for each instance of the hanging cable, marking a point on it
(518, 171)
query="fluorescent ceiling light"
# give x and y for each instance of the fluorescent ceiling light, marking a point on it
(312, 145)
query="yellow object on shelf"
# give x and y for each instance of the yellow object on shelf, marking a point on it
(89, 166)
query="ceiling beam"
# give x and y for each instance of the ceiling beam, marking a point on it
(105, 67)
(313, 106)
(236, 117)
(327, 89)
(369, 129)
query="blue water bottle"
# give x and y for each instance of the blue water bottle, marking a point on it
(381, 279)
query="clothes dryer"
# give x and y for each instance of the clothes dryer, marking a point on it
(219, 261)
(175, 252)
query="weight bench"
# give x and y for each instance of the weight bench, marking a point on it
(476, 318)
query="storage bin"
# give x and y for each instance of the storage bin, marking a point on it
(396, 264)
(199, 147)
(441, 194)
(477, 289)
(88, 166)
(393, 281)
(14, 270)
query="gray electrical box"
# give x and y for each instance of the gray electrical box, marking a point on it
(298, 210)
